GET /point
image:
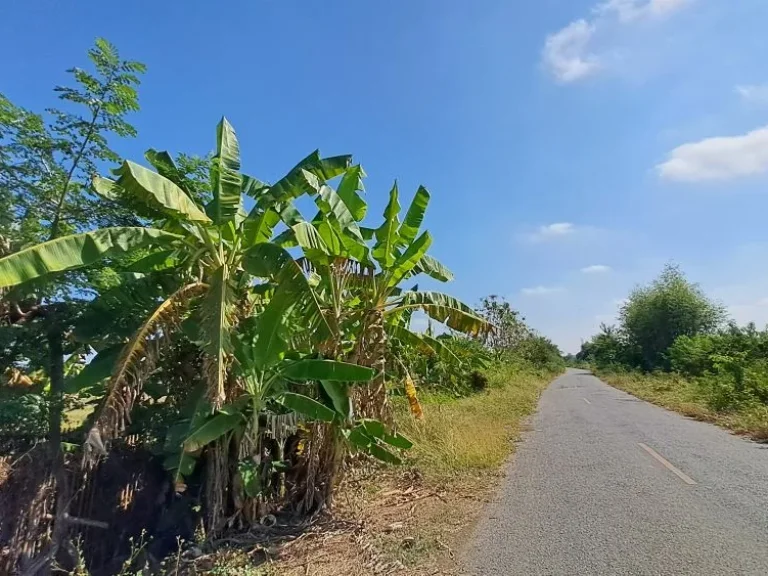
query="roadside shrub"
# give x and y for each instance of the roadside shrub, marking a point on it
(756, 380)
(720, 392)
(691, 355)
(541, 353)
(24, 416)
(478, 381)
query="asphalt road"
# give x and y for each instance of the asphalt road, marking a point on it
(608, 484)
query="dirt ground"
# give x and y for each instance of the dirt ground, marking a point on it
(391, 523)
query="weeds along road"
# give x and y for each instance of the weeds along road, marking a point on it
(608, 484)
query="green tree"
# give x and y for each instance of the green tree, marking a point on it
(45, 167)
(607, 348)
(509, 327)
(656, 315)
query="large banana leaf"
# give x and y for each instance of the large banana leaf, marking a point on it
(267, 260)
(340, 244)
(215, 331)
(211, 429)
(165, 166)
(444, 309)
(108, 188)
(384, 250)
(294, 184)
(338, 393)
(376, 429)
(194, 414)
(421, 342)
(78, 250)
(306, 406)
(271, 331)
(157, 192)
(259, 226)
(326, 370)
(304, 234)
(226, 181)
(290, 215)
(154, 262)
(253, 187)
(432, 267)
(362, 438)
(97, 371)
(408, 259)
(350, 184)
(414, 217)
(334, 208)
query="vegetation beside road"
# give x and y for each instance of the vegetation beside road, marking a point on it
(188, 357)
(474, 434)
(677, 348)
(420, 516)
(685, 395)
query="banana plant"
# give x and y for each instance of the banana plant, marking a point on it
(359, 274)
(217, 251)
(276, 383)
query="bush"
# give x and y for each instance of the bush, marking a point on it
(24, 416)
(478, 381)
(691, 355)
(541, 354)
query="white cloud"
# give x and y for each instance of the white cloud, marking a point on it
(596, 269)
(569, 54)
(566, 55)
(631, 10)
(719, 158)
(542, 291)
(552, 231)
(753, 94)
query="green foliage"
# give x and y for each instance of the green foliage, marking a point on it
(461, 372)
(46, 162)
(540, 353)
(607, 349)
(459, 367)
(509, 328)
(221, 337)
(672, 326)
(655, 316)
(23, 417)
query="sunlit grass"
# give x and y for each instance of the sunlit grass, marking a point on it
(686, 397)
(476, 433)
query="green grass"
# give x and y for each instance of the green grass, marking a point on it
(685, 396)
(472, 434)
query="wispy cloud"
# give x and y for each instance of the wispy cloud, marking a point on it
(542, 291)
(552, 231)
(632, 10)
(566, 52)
(569, 53)
(596, 269)
(721, 158)
(753, 94)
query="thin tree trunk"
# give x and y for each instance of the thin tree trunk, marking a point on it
(56, 374)
(55, 417)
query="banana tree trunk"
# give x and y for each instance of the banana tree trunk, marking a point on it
(370, 400)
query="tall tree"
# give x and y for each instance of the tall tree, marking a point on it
(671, 306)
(46, 163)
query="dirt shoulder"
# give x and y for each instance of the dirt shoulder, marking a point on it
(416, 519)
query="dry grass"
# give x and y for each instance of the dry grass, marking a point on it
(414, 519)
(472, 434)
(682, 395)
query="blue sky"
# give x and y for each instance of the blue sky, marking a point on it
(571, 147)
